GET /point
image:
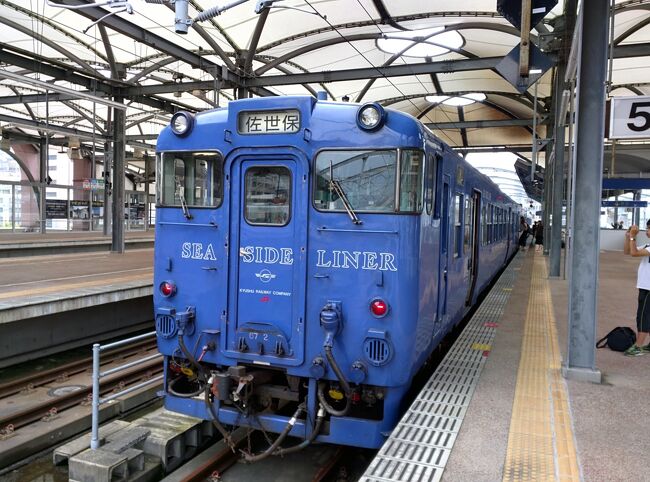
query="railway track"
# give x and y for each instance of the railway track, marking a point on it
(220, 463)
(61, 373)
(80, 394)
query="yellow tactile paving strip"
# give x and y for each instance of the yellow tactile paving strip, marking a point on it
(540, 443)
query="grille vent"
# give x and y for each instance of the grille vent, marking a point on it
(165, 326)
(377, 351)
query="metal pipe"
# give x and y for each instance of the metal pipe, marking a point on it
(63, 90)
(131, 389)
(129, 365)
(94, 439)
(128, 340)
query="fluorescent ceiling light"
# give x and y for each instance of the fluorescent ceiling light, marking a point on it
(459, 100)
(421, 43)
(63, 90)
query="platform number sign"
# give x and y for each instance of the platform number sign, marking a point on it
(630, 118)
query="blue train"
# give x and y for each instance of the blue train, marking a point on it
(309, 257)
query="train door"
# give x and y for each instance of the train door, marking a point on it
(268, 262)
(444, 248)
(473, 225)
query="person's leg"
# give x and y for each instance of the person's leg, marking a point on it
(644, 328)
(642, 324)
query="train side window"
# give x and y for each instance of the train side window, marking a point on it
(485, 226)
(268, 195)
(458, 218)
(411, 166)
(191, 178)
(490, 223)
(429, 183)
(366, 177)
(498, 221)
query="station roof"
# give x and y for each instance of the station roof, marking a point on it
(398, 53)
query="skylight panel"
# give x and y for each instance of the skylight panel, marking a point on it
(430, 42)
(457, 101)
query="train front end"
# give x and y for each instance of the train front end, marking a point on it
(286, 267)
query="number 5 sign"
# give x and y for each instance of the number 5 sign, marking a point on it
(630, 118)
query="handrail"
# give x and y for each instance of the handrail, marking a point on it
(97, 375)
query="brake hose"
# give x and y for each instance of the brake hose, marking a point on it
(319, 423)
(328, 408)
(273, 447)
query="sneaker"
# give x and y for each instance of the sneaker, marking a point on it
(634, 351)
(646, 348)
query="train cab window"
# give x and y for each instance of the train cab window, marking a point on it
(190, 178)
(411, 166)
(268, 195)
(366, 178)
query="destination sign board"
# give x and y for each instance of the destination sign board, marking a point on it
(269, 122)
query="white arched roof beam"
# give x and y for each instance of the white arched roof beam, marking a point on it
(405, 18)
(486, 102)
(398, 55)
(54, 26)
(374, 36)
(84, 65)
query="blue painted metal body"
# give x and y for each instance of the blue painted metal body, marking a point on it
(258, 291)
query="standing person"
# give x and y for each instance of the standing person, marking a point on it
(531, 232)
(523, 226)
(643, 284)
(539, 237)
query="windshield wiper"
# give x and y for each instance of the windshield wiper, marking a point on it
(335, 186)
(186, 210)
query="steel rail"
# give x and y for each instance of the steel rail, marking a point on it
(38, 379)
(56, 405)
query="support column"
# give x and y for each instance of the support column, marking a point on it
(558, 175)
(43, 155)
(636, 212)
(108, 185)
(549, 188)
(119, 130)
(581, 353)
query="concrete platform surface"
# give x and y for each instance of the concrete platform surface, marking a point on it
(35, 280)
(608, 420)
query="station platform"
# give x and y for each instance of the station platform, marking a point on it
(60, 242)
(51, 303)
(498, 408)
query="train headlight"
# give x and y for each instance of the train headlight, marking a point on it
(167, 288)
(182, 123)
(379, 308)
(370, 116)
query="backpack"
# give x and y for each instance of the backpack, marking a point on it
(619, 339)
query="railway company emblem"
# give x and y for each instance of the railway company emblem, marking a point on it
(265, 276)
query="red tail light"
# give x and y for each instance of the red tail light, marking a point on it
(167, 288)
(379, 308)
